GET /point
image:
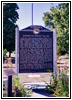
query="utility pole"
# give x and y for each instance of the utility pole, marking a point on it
(32, 13)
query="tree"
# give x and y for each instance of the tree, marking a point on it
(59, 18)
(10, 17)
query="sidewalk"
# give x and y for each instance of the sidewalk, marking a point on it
(38, 95)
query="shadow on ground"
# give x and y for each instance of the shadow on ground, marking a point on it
(41, 92)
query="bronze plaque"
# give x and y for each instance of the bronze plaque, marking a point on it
(35, 50)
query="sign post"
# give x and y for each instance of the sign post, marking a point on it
(10, 86)
(9, 73)
(17, 49)
(54, 51)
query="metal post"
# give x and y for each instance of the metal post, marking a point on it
(54, 52)
(17, 49)
(32, 13)
(10, 86)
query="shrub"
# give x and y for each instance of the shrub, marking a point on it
(20, 90)
(60, 85)
(4, 54)
(62, 88)
(50, 88)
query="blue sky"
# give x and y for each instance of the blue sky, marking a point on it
(25, 13)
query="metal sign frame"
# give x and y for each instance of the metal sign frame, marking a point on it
(17, 50)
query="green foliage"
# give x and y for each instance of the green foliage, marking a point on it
(10, 17)
(50, 88)
(49, 70)
(4, 54)
(20, 90)
(60, 86)
(59, 18)
(62, 89)
(5, 95)
(55, 80)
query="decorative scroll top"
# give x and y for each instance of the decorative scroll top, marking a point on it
(36, 30)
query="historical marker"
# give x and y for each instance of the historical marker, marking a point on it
(35, 49)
